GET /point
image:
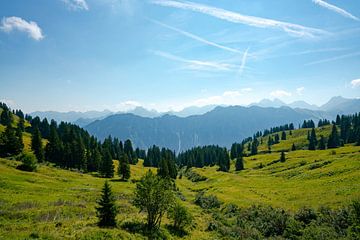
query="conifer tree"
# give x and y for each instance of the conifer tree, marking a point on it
(312, 140)
(163, 169)
(322, 143)
(254, 147)
(239, 164)
(282, 157)
(36, 145)
(293, 147)
(334, 140)
(107, 166)
(283, 135)
(107, 209)
(124, 167)
(6, 117)
(10, 143)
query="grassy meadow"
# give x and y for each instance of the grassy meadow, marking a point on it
(53, 203)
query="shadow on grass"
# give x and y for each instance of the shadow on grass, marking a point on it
(118, 180)
(141, 228)
(177, 232)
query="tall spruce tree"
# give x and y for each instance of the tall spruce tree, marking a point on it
(124, 167)
(107, 166)
(163, 169)
(322, 143)
(334, 141)
(37, 146)
(283, 135)
(10, 143)
(239, 164)
(107, 209)
(312, 140)
(293, 147)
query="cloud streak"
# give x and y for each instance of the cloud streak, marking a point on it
(355, 83)
(195, 37)
(196, 64)
(290, 28)
(334, 58)
(76, 4)
(243, 62)
(280, 94)
(335, 9)
(10, 24)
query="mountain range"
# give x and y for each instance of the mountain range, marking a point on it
(198, 126)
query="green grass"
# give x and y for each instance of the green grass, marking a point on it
(60, 204)
(307, 178)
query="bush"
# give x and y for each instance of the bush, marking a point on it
(207, 202)
(193, 176)
(180, 216)
(305, 215)
(28, 162)
(266, 219)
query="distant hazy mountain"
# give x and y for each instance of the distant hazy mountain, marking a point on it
(222, 126)
(278, 103)
(303, 104)
(71, 116)
(193, 110)
(340, 105)
(269, 103)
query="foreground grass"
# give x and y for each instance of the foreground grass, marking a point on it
(59, 204)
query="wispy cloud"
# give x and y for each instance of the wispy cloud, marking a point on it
(335, 9)
(290, 28)
(196, 64)
(76, 4)
(10, 24)
(197, 38)
(300, 91)
(243, 62)
(355, 83)
(334, 58)
(280, 94)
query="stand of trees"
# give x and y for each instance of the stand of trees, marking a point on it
(205, 156)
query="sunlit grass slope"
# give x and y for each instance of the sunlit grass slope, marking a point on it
(59, 204)
(307, 178)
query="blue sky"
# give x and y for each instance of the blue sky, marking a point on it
(168, 54)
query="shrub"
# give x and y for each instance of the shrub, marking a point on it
(180, 216)
(194, 177)
(207, 202)
(306, 215)
(28, 162)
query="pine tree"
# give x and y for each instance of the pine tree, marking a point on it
(282, 157)
(163, 169)
(322, 143)
(239, 164)
(293, 148)
(283, 135)
(6, 117)
(107, 166)
(10, 143)
(107, 209)
(124, 167)
(254, 147)
(36, 145)
(334, 140)
(312, 140)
